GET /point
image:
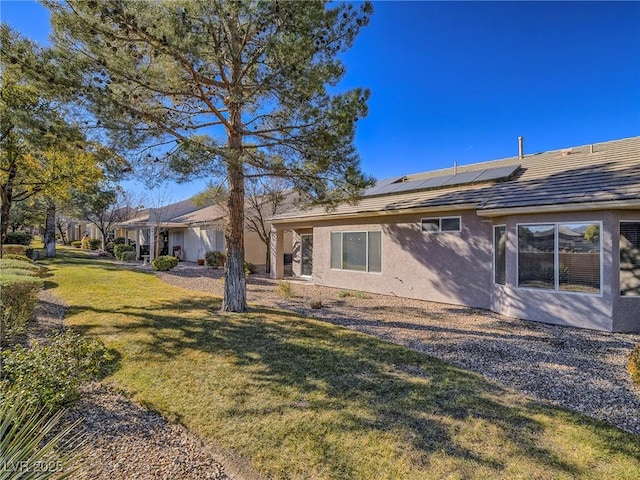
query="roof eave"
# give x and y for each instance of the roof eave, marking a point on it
(372, 214)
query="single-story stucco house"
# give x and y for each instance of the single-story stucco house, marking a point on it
(187, 230)
(551, 237)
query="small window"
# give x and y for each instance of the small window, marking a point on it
(443, 224)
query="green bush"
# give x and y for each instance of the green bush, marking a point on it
(19, 271)
(164, 263)
(18, 298)
(18, 238)
(129, 256)
(118, 250)
(31, 253)
(634, 364)
(15, 249)
(50, 374)
(215, 259)
(12, 263)
(13, 256)
(284, 289)
(249, 268)
(76, 244)
(95, 244)
(119, 241)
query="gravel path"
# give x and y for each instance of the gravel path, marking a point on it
(579, 369)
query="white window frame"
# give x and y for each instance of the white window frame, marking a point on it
(342, 232)
(493, 273)
(440, 219)
(556, 258)
(618, 285)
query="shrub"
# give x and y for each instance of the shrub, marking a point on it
(15, 249)
(32, 439)
(7, 263)
(18, 298)
(315, 304)
(119, 241)
(284, 289)
(118, 250)
(50, 374)
(129, 256)
(31, 253)
(164, 263)
(13, 256)
(95, 243)
(215, 259)
(18, 238)
(634, 364)
(76, 244)
(249, 268)
(19, 271)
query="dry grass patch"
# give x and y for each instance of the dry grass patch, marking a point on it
(301, 398)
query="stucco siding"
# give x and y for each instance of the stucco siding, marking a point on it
(447, 267)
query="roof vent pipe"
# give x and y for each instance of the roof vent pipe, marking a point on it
(590, 148)
(520, 147)
(455, 168)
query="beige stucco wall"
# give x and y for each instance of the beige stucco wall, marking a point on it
(448, 267)
(457, 268)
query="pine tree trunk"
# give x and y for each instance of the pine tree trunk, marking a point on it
(235, 288)
(50, 230)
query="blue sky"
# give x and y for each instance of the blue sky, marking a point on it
(460, 81)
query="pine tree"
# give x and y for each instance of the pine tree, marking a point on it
(223, 89)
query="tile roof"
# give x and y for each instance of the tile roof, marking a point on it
(601, 172)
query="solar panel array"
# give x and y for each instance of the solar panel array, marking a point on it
(396, 185)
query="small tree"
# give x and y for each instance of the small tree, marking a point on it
(105, 208)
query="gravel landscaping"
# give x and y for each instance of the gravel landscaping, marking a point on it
(582, 370)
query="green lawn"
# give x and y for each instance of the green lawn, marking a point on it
(299, 398)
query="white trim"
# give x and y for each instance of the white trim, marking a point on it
(618, 276)
(440, 219)
(556, 257)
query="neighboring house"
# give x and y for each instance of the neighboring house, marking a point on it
(188, 231)
(551, 237)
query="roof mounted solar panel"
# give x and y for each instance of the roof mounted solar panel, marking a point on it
(497, 173)
(380, 184)
(464, 177)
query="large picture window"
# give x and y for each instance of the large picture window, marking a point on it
(499, 254)
(560, 256)
(359, 251)
(630, 258)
